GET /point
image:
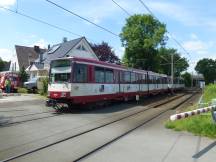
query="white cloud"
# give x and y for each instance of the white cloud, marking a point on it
(195, 45)
(41, 43)
(97, 11)
(6, 54)
(7, 3)
(199, 49)
(169, 9)
(193, 36)
(183, 14)
(198, 46)
(120, 52)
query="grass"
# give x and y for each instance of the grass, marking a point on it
(22, 90)
(209, 93)
(201, 125)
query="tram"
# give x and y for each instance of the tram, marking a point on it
(75, 80)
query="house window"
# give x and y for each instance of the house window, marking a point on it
(99, 75)
(81, 47)
(80, 73)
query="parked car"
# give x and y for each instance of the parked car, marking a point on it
(31, 84)
(35, 83)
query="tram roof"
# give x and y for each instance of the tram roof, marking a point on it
(110, 65)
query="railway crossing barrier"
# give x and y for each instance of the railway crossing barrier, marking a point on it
(187, 114)
(1, 94)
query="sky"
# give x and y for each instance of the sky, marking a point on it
(192, 23)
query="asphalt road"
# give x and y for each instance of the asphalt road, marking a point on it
(151, 142)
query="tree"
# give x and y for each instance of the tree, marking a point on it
(164, 56)
(187, 79)
(105, 53)
(3, 64)
(207, 67)
(141, 36)
(23, 75)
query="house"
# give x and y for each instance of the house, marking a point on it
(24, 57)
(74, 48)
(197, 80)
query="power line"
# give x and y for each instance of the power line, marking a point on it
(44, 22)
(85, 19)
(146, 7)
(121, 8)
(17, 5)
(40, 21)
(177, 42)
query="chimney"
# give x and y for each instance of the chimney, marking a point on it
(64, 39)
(48, 46)
(38, 50)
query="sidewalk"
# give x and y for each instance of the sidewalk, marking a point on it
(14, 97)
(154, 143)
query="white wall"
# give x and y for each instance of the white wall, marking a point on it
(14, 61)
(80, 53)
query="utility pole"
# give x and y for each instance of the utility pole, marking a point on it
(172, 70)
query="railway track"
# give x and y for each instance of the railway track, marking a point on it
(10, 110)
(134, 128)
(20, 119)
(157, 109)
(28, 117)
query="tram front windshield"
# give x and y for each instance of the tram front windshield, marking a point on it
(60, 71)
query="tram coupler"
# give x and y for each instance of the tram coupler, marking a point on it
(50, 102)
(55, 104)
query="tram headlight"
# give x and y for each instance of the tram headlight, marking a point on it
(63, 94)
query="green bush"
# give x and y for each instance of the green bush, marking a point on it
(44, 90)
(22, 90)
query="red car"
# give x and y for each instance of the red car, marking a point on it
(14, 78)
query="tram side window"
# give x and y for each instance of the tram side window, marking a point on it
(133, 78)
(143, 81)
(109, 76)
(146, 79)
(154, 80)
(158, 80)
(138, 78)
(80, 73)
(127, 77)
(150, 80)
(99, 75)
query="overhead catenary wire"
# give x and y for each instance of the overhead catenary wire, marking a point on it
(17, 5)
(121, 8)
(43, 22)
(83, 18)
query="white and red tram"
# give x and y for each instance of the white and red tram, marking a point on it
(81, 81)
